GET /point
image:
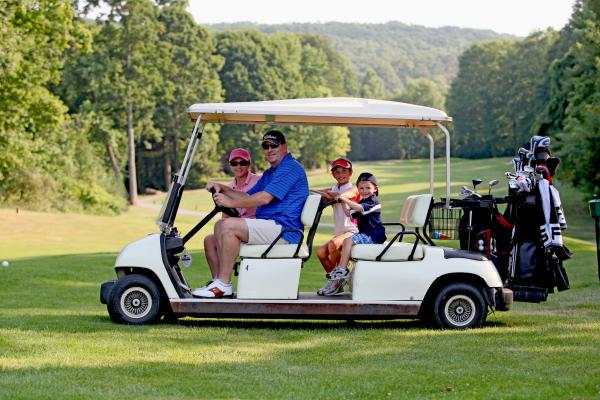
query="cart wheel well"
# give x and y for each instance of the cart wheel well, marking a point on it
(122, 271)
(444, 280)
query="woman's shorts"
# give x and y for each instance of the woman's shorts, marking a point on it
(362, 238)
(263, 231)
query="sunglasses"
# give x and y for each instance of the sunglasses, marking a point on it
(266, 146)
(242, 163)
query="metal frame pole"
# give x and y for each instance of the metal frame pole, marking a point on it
(431, 162)
(424, 132)
(191, 152)
(443, 128)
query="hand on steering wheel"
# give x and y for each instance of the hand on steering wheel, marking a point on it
(229, 211)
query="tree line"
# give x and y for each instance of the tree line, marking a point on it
(92, 111)
(546, 84)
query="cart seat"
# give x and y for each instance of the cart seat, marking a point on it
(309, 219)
(415, 214)
(278, 251)
(397, 252)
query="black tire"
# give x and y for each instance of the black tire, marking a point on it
(134, 299)
(459, 306)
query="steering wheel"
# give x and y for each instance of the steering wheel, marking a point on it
(231, 212)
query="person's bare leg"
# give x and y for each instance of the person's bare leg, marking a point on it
(230, 232)
(335, 246)
(346, 252)
(212, 255)
(323, 255)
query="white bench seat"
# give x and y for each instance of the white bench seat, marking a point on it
(399, 251)
(278, 251)
(308, 217)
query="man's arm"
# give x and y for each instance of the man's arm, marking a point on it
(221, 188)
(327, 193)
(242, 199)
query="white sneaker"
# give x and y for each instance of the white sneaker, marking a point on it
(215, 290)
(332, 288)
(339, 272)
(207, 284)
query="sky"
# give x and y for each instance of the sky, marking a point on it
(517, 17)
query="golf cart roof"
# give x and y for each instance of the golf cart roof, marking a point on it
(344, 111)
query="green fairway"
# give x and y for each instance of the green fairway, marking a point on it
(57, 341)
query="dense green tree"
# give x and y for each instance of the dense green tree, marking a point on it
(189, 74)
(397, 52)
(425, 92)
(475, 98)
(372, 143)
(573, 112)
(46, 159)
(129, 74)
(283, 66)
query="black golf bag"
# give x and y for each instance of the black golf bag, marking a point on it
(524, 243)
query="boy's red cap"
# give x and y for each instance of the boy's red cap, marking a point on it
(341, 162)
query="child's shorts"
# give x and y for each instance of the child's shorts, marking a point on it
(362, 238)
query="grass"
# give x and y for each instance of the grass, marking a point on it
(57, 341)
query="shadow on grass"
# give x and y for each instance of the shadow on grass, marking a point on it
(102, 323)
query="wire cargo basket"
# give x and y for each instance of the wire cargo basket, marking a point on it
(443, 222)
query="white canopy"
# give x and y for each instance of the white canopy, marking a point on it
(345, 111)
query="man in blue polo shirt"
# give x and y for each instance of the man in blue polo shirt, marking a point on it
(280, 195)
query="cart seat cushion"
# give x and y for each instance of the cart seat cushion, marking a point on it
(278, 251)
(415, 210)
(310, 209)
(400, 251)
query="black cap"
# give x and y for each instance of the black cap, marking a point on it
(274, 136)
(368, 177)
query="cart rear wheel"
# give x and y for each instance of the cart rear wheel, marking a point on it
(134, 299)
(459, 306)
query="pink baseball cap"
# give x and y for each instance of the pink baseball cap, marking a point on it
(240, 153)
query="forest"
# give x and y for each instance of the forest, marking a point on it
(92, 104)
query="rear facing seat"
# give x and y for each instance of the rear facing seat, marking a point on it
(311, 213)
(415, 213)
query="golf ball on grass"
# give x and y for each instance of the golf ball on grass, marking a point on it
(5, 263)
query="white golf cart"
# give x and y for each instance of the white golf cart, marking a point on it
(407, 277)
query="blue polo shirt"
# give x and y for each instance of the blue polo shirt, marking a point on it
(288, 184)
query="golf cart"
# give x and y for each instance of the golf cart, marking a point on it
(407, 277)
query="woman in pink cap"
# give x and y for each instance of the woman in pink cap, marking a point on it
(243, 179)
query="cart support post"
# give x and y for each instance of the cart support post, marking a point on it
(191, 151)
(595, 213)
(431, 163)
(443, 128)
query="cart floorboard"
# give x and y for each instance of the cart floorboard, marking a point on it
(309, 305)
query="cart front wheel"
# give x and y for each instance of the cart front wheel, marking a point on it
(134, 299)
(459, 306)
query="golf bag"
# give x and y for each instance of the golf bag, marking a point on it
(535, 209)
(525, 242)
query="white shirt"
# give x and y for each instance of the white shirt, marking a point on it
(341, 222)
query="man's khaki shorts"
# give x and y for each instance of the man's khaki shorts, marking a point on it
(263, 231)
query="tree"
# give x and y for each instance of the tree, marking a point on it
(189, 73)
(475, 98)
(130, 74)
(574, 112)
(410, 143)
(371, 143)
(46, 160)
